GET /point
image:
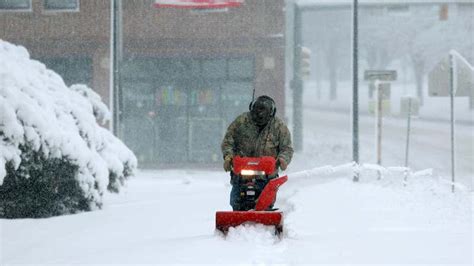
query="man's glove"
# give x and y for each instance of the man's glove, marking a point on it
(282, 163)
(228, 163)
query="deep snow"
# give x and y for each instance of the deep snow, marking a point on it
(167, 216)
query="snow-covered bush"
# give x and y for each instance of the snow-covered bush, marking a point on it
(54, 156)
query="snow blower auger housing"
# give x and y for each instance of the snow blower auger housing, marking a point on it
(255, 203)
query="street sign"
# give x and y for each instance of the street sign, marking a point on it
(197, 4)
(386, 107)
(384, 90)
(409, 105)
(383, 75)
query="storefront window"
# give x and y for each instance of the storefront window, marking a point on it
(23, 5)
(138, 68)
(214, 68)
(241, 68)
(204, 139)
(236, 97)
(193, 67)
(183, 105)
(61, 5)
(168, 68)
(73, 70)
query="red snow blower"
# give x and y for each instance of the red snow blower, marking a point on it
(255, 204)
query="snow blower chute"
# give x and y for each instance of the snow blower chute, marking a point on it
(255, 204)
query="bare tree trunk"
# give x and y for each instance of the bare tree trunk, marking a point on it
(332, 64)
(471, 100)
(371, 58)
(384, 58)
(318, 76)
(419, 69)
(332, 81)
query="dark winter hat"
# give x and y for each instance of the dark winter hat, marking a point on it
(262, 110)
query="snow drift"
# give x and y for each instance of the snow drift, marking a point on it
(54, 156)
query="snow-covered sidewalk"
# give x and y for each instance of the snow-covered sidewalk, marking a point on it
(167, 217)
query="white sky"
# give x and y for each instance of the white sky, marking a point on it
(377, 2)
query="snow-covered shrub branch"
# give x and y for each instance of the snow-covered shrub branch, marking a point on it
(54, 157)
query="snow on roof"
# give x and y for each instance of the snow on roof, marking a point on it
(374, 2)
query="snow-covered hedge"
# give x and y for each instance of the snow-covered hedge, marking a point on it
(54, 156)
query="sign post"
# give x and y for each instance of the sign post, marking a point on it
(377, 76)
(409, 106)
(453, 76)
(452, 91)
(379, 126)
(408, 137)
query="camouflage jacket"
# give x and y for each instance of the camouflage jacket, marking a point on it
(244, 138)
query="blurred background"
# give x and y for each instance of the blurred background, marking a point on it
(175, 73)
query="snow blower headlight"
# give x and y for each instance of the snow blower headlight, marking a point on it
(251, 172)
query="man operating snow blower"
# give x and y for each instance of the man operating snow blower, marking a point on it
(256, 145)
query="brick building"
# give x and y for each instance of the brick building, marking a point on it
(185, 73)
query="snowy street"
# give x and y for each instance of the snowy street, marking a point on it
(167, 217)
(430, 145)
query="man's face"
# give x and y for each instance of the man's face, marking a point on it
(261, 112)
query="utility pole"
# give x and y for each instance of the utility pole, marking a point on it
(355, 90)
(116, 47)
(297, 82)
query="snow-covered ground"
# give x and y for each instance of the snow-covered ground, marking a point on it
(167, 216)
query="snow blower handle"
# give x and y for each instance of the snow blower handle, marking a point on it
(228, 163)
(280, 163)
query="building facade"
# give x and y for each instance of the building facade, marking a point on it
(184, 73)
